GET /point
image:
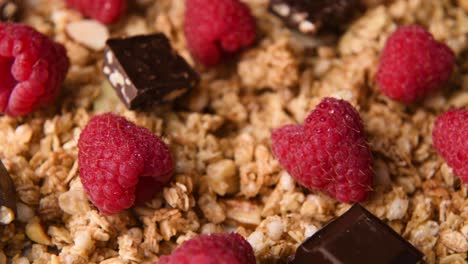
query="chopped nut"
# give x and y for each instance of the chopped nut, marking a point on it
(36, 233)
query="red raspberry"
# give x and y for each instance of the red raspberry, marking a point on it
(32, 68)
(105, 11)
(121, 163)
(329, 152)
(212, 249)
(450, 140)
(217, 28)
(413, 64)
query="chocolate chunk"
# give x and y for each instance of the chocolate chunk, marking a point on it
(7, 189)
(310, 16)
(356, 237)
(145, 70)
(9, 10)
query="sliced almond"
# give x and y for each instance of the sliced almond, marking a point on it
(89, 33)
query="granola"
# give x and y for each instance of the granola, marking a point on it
(226, 177)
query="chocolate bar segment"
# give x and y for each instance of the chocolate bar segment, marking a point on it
(145, 70)
(311, 16)
(9, 10)
(356, 237)
(7, 189)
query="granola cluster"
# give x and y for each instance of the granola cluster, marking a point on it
(226, 177)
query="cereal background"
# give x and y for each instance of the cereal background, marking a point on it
(226, 177)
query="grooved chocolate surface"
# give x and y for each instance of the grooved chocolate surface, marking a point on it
(356, 237)
(7, 189)
(145, 70)
(311, 16)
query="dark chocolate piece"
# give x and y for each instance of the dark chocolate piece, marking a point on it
(145, 70)
(9, 10)
(356, 237)
(7, 189)
(310, 16)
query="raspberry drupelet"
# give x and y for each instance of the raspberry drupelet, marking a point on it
(32, 69)
(211, 249)
(329, 152)
(215, 29)
(121, 163)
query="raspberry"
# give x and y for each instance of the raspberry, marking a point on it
(105, 11)
(217, 28)
(329, 152)
(449, 138)
(413, 64)
(212, 249)
(121, 163)
(32, 68)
